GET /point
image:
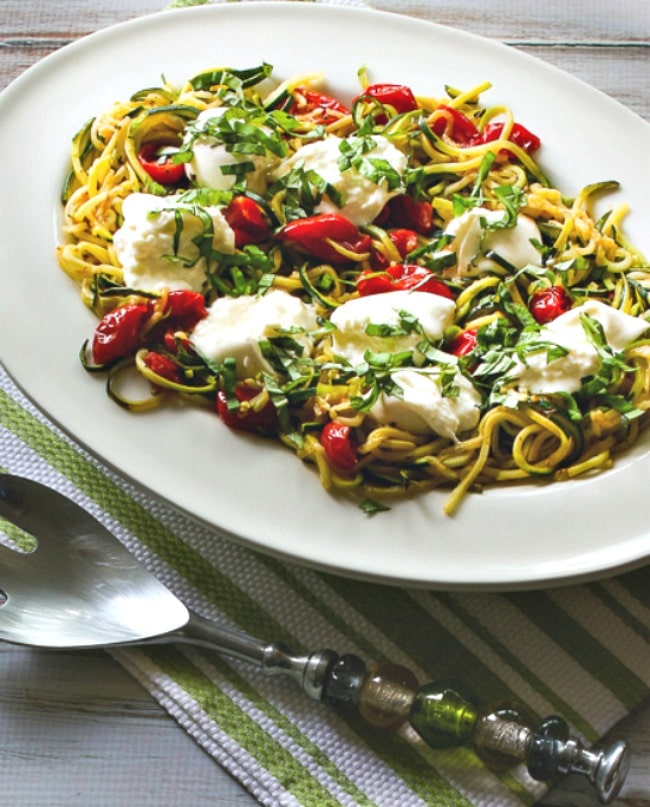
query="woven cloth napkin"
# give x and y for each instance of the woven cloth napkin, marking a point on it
(582, 651)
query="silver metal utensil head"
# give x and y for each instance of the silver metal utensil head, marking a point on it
(79, 587)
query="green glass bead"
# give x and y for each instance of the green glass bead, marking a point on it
(386, 695)
(502, 736)
(442, 717)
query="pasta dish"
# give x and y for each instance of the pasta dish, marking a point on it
(391, 286)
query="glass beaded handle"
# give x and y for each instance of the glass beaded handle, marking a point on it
(388, 695)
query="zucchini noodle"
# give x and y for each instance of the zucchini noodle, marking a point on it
(462, 156)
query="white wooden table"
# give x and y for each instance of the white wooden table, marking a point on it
(75, 729)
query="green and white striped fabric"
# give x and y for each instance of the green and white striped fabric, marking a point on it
(582, 652)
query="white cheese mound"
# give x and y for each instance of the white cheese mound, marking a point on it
(422, 408)
(234, 327)
(144, 244)
(471, 240)
(210, 156)
(350, 340)
(565, 373)
(363, 199)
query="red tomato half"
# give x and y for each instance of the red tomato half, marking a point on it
(398, 96)
(264, 422)
(162, 366)
(321, 108)
(119, 332)
(405, 241)
(184, 308)
(519, 135)
(455, 124)
(314, 234)
(463, 343)
(171, 340)
(160, 167)
(404, 212)
(247, 221)
(462, 130)
(402, 277)
(338, 443)
(547, 304)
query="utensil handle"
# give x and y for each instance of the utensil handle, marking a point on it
(202, 632)
(388, 695)
(275, 658)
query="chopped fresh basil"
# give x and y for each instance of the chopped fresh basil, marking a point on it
(370, 507)
(229, 383)
(281, 405)
(512, 199)
(354, 153)
(612, 364)
(301, 191)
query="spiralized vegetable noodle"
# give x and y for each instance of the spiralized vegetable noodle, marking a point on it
(536, 362)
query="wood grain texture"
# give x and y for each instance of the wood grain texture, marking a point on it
(75, 728)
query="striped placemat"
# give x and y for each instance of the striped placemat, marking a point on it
(579, 651)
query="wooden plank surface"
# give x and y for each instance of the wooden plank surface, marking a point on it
(75, 729)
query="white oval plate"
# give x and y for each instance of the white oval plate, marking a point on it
(253, 490)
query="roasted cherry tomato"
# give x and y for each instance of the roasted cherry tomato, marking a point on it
(402, 277)
(338, 443)
(319, 107)
(247, 221)
(185, 308)
(171, 340)
(405, 241)
(314, 234)
(454, 124)
(405, 212)
(119, 332)
(462, 130)
(398, 96)
(547, 304)
(519, 135)
(162, 366)
(263, 422)
(160, 166)
(463, 343)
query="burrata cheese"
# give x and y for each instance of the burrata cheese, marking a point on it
(157, 247)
